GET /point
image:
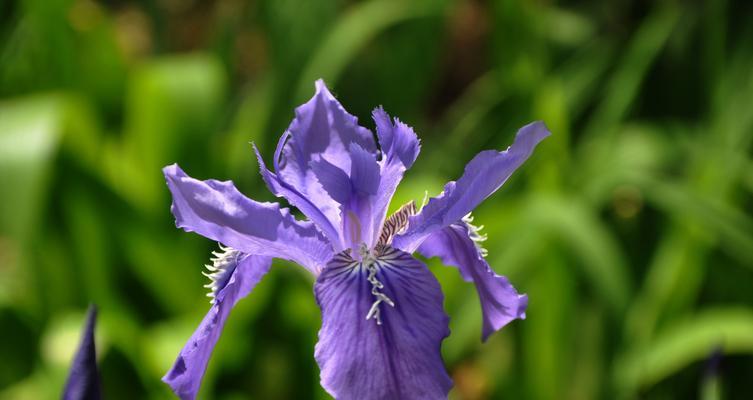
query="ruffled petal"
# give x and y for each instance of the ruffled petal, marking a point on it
(482, 176)
(313, 210)
(400, 147)
(398, 141)
(218, 211)
(382, 328)
(321, 129)
(83, 379)
(500, 302)
(186, 374)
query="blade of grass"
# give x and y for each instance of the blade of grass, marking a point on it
(730, 330)
(355, 29)
(624, 85)
(593, 243)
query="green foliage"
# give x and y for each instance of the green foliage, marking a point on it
(630, 229)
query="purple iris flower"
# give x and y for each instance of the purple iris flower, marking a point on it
(382, 316)
(83, 379)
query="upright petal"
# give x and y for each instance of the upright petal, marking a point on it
(365, 190)
(355, 191)
(352, 190)
(333, 180)
(315, 211)
(186, 374)
(397, 140)
(400, 147)
(382, 328)
(500, 302)
(321, 128)
(218, 211)
(83, 379)
(364, 170)
(482, 176)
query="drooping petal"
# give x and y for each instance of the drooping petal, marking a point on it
(500, 302)
(83, 379)
(395, 354)
(217, 210)
(400, 147)
(321, 129)
(186, 374)
(482, 176)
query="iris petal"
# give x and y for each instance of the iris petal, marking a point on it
(358, 215)
(186, 374)
(83, 380)
(400, 147)
(314, 211)
(482, 177)
(354, 191)
(217, 210)
(321, 129)
(500, 302)
(397, 358)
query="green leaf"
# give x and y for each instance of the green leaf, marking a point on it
(624, 85)
(29, 138)
(695, 338)
(591, 241)
(355, 29)
(172, 108)
(717, 219)
(547, 328)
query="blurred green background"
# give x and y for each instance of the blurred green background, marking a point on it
(631, 227)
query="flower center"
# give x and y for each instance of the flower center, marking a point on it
(396, 223)
(376, 287)
(369, 257)
(351, 229)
